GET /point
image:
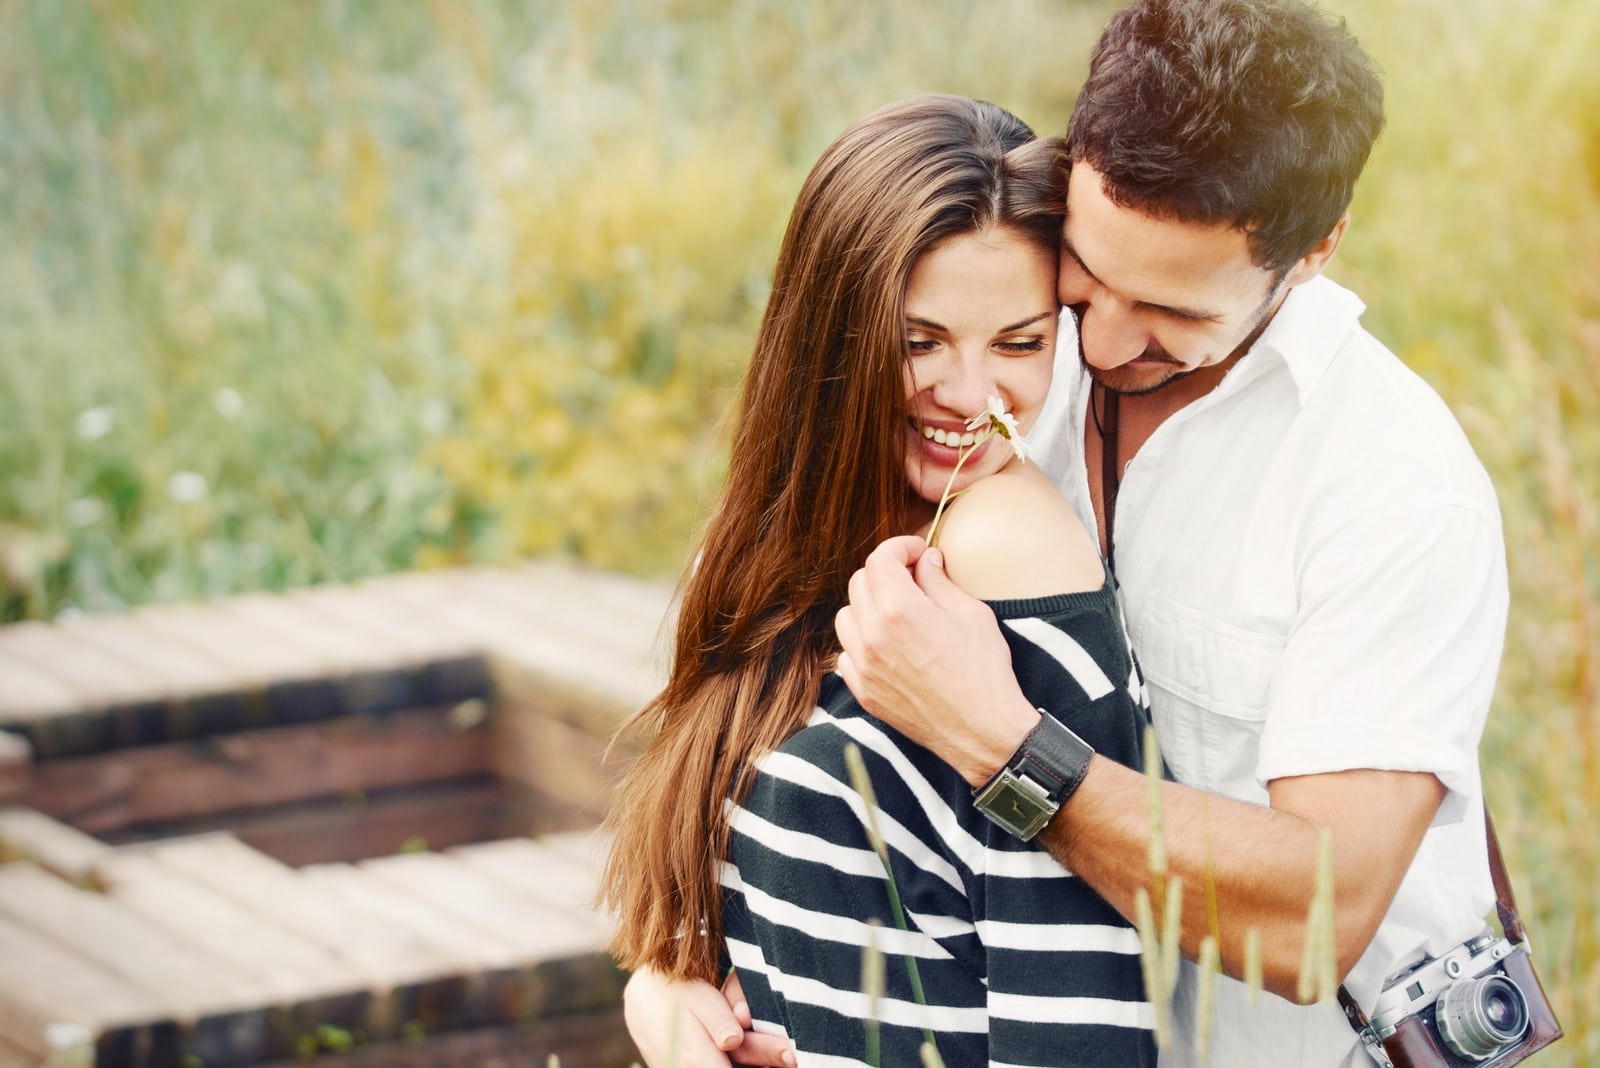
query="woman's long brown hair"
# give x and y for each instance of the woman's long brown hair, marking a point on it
(815, 481)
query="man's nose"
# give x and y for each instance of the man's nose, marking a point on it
(1110, 335)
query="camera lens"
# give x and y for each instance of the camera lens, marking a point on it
(1480, 1016)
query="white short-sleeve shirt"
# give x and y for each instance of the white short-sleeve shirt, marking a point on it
(1313, 573)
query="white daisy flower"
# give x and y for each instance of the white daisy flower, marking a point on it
(227, 402)
(186, 487)
(93, 424)
(999, 421)
(85, 511)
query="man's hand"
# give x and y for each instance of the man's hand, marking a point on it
(929, 660)
(711, 1026)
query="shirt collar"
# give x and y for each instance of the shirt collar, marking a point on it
(1311, 325)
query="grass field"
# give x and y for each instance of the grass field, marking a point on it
(310, 290)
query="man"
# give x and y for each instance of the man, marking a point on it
(1308, 553)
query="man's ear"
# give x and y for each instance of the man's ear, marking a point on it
(1311, 264)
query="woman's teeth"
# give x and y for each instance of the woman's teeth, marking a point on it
(949, 437)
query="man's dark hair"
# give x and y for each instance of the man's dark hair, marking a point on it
(1255, 113)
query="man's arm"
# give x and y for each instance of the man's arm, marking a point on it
(929, 659)
(1262, 861)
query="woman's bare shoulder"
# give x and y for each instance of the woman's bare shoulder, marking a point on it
(1012, 535)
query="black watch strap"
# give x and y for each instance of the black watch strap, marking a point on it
(1043, 772)
(1052, 756)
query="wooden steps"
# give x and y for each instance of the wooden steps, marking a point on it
(335, 722)
(203, 948)
(348, 823)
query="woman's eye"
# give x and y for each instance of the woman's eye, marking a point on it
(920, 344)
(1021, 346)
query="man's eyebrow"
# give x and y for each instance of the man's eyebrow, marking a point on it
(1192, 314)
(929, 324)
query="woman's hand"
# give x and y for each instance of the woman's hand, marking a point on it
(711, 1026)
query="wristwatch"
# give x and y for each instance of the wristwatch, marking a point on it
(1044, 771)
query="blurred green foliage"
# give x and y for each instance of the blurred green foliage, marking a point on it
(292, 292)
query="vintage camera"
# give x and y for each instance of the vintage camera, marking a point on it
(1477, 1006)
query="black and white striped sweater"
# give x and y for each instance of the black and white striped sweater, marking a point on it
(1021, 963)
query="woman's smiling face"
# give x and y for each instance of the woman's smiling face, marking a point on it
(980, 320)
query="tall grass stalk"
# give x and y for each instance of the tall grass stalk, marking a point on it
(1210, 966)
(1253, 979)
(1319, 966)
(1155, 813)
(872, 983)
(862, 783)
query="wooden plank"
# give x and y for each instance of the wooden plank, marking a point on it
(596, 680)
(495, 987)
(258, 659)
(309, 984)
(410, 978)
(618, 608)
(102, 679)
(381, 952)
(16, 767)
(182, 670)
(467, 946)
(29, 692)
(451, 666)
(66, 851)
(377, 824)
(50, 713)
(366, 672)
(220, 1010)
(533, 868)
(255, 769)
(589, 846)
(205, 695)
(569, 947)
(582, 1040)
(46, 990)
(558, 758)
(125, 694)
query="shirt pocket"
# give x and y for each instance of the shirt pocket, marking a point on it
(1210, 682)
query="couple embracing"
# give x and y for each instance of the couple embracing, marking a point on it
(1242, 519)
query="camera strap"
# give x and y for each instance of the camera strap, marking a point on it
(1505, 907)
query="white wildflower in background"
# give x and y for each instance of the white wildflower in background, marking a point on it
(435, 416)
(227, 402)
(186, 487)
(93, 424)
(85, 511)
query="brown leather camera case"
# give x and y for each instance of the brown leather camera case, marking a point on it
(1413, 1046)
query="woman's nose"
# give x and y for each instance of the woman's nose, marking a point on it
(964, 384)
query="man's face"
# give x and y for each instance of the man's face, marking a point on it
(1155, 298)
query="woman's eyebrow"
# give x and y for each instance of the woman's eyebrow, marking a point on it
(1027, 322)
(929, 324)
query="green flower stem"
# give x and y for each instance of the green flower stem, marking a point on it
(944, 498)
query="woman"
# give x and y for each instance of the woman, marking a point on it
(916, 282)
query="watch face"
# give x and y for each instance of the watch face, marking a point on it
(1016, 803)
